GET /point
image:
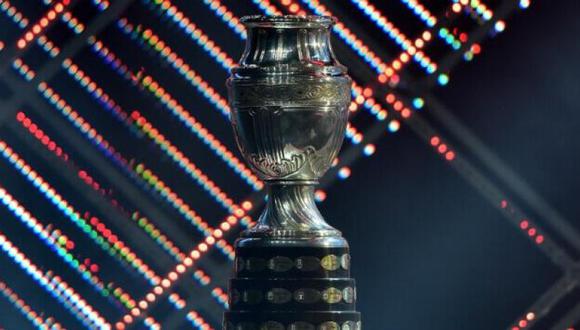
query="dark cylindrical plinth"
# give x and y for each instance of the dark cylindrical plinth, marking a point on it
(292, 285)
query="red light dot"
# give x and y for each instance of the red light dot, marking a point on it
(450, 155)
(398, 105)
(320, 195)
(524, 224)
(435, 141)
(532, 231)
(247, 205)
(442, 148)
(540, 239)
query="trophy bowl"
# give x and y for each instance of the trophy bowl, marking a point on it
(289, 100)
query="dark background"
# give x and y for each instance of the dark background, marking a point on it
(429, 250)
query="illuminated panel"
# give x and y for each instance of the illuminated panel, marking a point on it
(227, 16)
(52, 241)
(176, 301)
(348, 36)
(182, 207)
(37, 320)
(13, 13)
(183, 162)
(117, 246)
(421, 12)
(34, 130)
(154, 134)
(169, 280)
(409, 48)
(23, 69)
(209, 139)
(143, 223)
(154, 42)
(48, 46)
(193, 32)
(39, 27)
(59, 289)
(158, 237)
(449, 38)
(152, 324)
(79, 122)
(152, 180)
(43, 88)
(173, 198)
(197, 321)
(477, 7)
(104, 98)
(389, 29)
(221, 296)
(267, 7)
(364, 97)
(102, 236)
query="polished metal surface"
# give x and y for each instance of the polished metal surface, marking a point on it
(289, 98)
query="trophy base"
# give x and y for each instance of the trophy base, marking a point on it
(292, 284)
(293, 321)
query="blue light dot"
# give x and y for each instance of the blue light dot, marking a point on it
(443, 79)
(418, 103)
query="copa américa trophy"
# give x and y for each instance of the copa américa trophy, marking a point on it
(289, 99)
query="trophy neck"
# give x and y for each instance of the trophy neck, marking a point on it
(291, 212)
(281, 45)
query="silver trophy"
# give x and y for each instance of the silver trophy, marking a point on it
(289, 98)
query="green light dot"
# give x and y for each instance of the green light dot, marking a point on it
(443, 79)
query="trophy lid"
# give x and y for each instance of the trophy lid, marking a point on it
(288, 21)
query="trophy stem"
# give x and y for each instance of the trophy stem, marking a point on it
(291, 212)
